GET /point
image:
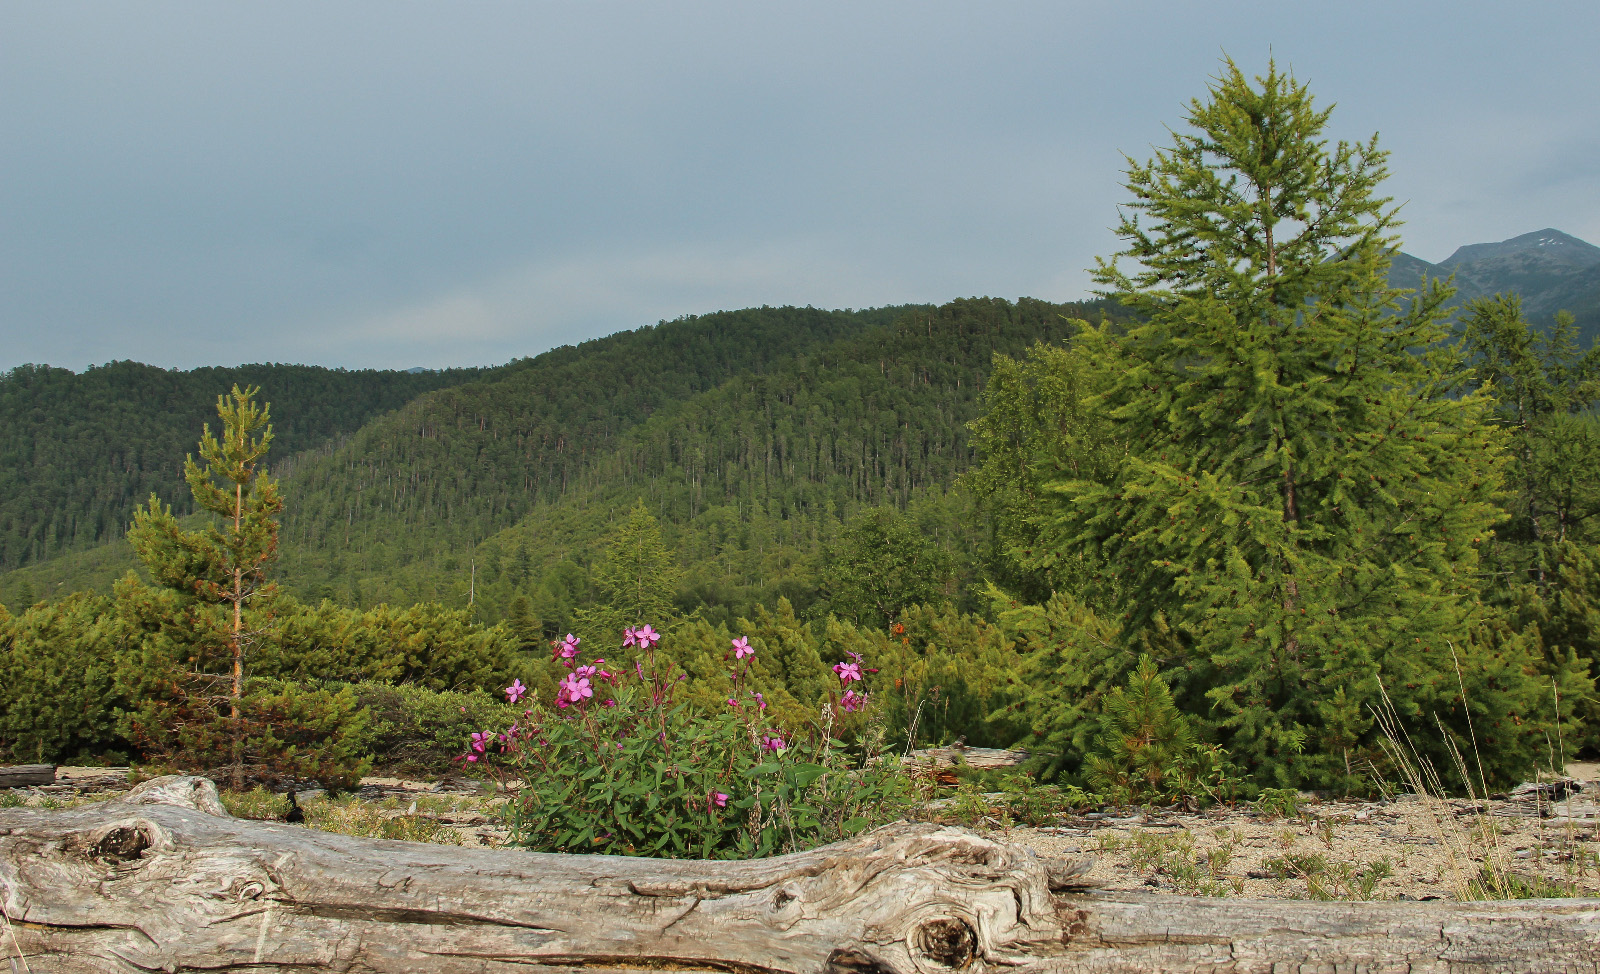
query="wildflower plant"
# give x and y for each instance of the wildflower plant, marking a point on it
(620, 766)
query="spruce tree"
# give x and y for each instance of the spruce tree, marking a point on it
(220, 572)
(635, 577)
(1304, 490)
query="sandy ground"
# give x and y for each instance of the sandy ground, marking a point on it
(1410, 847)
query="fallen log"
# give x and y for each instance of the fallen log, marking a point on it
(27, 775)
(164, 880)
(940, 763)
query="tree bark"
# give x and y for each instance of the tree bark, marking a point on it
(24, 775)
(160, 881)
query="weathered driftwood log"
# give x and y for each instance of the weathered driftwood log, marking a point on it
(161, 881)
(940, 762)
(27, 775)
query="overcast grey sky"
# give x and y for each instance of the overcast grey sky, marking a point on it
(398, 184)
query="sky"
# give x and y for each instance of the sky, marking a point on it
(405, 184)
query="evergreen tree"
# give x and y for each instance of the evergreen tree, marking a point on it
(1304, 492)
(881, 565)
(636, 577)
(1545, 389)
(1145, 743)
(221, 572)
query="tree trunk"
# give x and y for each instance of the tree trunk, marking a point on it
(24, 775)
(160, 881)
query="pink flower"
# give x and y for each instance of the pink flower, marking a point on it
(472, 757)
(732, 702)
(848, 671)
(515, 691)
(772, 743)
(647, 637)
(719, 799)
(568, 647)
(480, 740)
(574, 689)
(630, 637)
(761, 702)
(852, 701)
(584, 672)
(611, 703)
(742, 648)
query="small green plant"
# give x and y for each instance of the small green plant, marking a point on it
(1327, 879)
(971, 807)
(1498, 883)
(257, 803)
(1173, 855)
(1147, 752)
(1276, 803)
(10, 798)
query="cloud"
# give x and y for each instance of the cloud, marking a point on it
(548, 301)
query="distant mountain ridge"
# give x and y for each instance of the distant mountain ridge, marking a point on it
(1551, 270)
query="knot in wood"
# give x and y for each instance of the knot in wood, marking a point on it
(122, 844)
(946, 942)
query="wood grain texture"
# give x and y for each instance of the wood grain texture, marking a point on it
(153, 882)
(27, 775)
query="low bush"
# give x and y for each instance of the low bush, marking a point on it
(620, 766)
(418, 731)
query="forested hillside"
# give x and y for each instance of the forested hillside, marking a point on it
(457, 466)
(81, 449)
(447, 469)
(752, 479)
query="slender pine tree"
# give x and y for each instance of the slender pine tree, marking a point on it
(220, 571)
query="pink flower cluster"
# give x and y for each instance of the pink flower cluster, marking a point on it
(643, 637)
(850, 672)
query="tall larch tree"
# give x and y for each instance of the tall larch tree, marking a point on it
(1304, 490)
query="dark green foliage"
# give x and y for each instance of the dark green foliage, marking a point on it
(418, 731)
(82, 449)
(1545, 388)
(880, 564)
(1147, 751)
(634, 578)
(427, 644)
(1038, 423)
(751, 481)
(941, 676)
(299, 732)
(1070, 659)
(455, 466)
(58, 695)
(1296, 510)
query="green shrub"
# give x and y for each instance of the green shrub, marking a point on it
(425, 644)
(415, 730)
(1147, 751)
(58, 693)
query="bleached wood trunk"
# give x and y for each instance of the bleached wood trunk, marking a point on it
(163, 880)
(26, 775)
